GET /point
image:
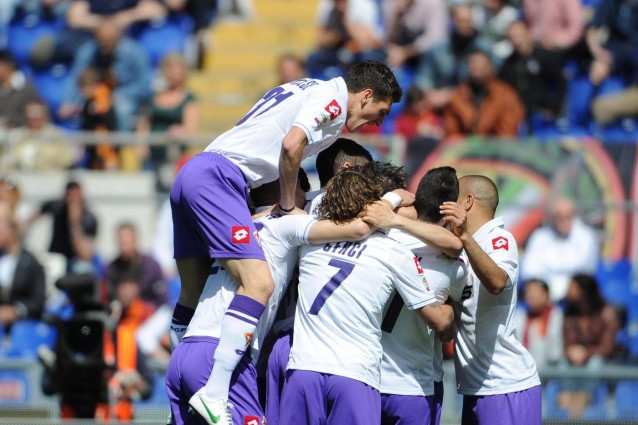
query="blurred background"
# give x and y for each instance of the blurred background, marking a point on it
(102, 102)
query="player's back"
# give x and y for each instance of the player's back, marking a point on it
(343, 288)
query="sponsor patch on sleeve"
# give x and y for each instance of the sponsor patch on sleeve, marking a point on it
(501, 243)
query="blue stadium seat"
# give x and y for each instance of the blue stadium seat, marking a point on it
(26, 336)
(50, 84)
(596, 410)
(159, 396)
(161, 37)
(625, 130)
(615, 279)
(23, 33)
(625, 396)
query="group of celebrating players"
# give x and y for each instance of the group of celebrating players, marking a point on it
(382, 276)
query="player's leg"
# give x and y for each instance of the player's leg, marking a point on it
(304, 396)
(405, 409)
(255, 285)
(437, 403)
(351, 402)
(275, 376)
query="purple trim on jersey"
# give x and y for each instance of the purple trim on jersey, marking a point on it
(189, 369)
(517, 408)
(242, 318)
(276, 375)
(247, 306)
(406, 409)
(438, 403)
(313, 398)
(210, 213)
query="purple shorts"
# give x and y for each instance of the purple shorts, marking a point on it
(313, 398)
(276, 375)
(518, 408)
(209, 202)
(406, 409)
(438, 403)
(189, 369)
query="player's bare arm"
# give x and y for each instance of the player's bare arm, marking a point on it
(492, 277)
(327, 231)
(437, 315)
(289, 160)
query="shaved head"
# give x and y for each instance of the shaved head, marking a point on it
(482, 189)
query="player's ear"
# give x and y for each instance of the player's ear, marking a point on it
(467, 202)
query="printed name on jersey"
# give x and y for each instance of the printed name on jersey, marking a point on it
(501, 243)
(241, 234)
(334, 109)
(252, 420)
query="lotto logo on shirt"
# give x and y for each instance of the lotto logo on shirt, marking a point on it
(240, 234)
(334, 109)
(500, 243)
(251, 420)
(418, 265)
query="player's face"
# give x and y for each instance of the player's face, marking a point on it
(368, 111)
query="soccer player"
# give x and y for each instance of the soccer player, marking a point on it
(494, 372)
(334, 367)
(192, 359)
(208, 198)
(408, 372)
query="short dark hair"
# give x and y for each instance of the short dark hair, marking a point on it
(438, 185)
(330, 160)
(72, 184)
(269, 193)
(375, 76)
(7, 58)
(386, 175)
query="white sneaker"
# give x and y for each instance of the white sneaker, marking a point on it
(214, 411)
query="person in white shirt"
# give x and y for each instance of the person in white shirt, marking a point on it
(211, 220)
(494, 372)
(562, 248)
(334, 366)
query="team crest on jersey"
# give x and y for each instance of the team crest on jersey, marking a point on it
(501, 243)
(334, 109)
(240, 234)
(253, 420)
(425, 283)
(249, 337)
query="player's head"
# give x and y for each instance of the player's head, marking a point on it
(347, 195)
(342, 153)
(438, 185)
(372, 89)
(389, 177)
(478, 192)
(268, 194)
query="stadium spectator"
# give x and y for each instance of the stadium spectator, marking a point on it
(464, 39)
(417, 40)
(11, 204)
(483, 105)
(540, 325)
(74, 229)
(118, 59)
(349, 32)
(290, 68)
(555, 25)
(130, 262)
(589, 335)
(38, 145)
(536, 73)
(22, 281)
(492, 18)
(84, 18)
(15, 92)
(564, 246)
(172, 111)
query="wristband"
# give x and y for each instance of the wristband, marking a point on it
(286, 209)
(393, 199)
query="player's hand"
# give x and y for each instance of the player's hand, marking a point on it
(278, 212)
(455, 217)
(380, 214)
(448, 333)
(407, 198)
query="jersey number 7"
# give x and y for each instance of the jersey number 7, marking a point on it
(278, 94)
(345, 269)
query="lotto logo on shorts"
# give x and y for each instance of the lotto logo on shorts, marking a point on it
(251, 420)
(500, 242)
(334, 109)
(241, 234)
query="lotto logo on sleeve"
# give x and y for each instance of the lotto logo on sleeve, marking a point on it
(334, 109)
(241, 234)
(418, 264)
(500, 243)
(251, 420)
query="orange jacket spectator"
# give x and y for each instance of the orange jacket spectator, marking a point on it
(483, 105)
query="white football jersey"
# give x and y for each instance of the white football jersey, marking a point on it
(343, 288)
(279, 238)
(488, 357)
(408, 343)
(317, 107)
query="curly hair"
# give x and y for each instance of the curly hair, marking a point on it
(346, 196)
